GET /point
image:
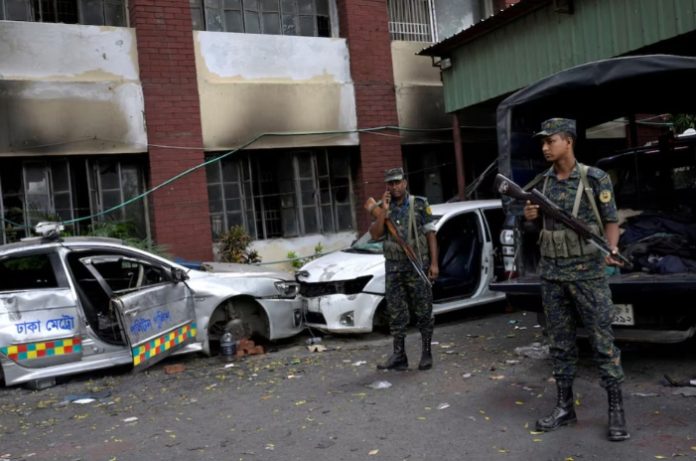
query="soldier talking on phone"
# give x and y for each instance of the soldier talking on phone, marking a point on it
(411, 264)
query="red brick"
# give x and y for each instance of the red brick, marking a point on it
(167, 71)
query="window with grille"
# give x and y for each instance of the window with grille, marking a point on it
(282, 194)
(89, 12)
(309, 18)
(62, 190)
(33, 191)
(113, 182)
(411, 20)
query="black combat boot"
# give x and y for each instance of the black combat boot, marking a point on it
(617, 419)
(564, 411)
(426, 361)
(398, 360)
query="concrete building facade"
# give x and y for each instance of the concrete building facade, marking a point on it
(179, 119)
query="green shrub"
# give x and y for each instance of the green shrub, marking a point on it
(234, 247)
(299, 262)
(126, 231)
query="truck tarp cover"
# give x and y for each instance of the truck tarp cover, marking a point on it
(594, 93)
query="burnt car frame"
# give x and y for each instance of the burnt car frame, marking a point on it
(88, 303)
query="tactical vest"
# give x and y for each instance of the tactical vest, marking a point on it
(566, 243)
(393, 251)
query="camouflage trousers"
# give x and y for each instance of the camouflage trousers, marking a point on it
(591, 300)
(406, 289)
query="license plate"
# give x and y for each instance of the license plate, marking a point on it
(623, 314)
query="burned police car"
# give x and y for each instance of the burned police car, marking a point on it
(83, 303)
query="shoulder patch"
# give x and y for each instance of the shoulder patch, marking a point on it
(428, 211)
(605, 196)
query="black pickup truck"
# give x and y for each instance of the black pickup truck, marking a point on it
(655, 187)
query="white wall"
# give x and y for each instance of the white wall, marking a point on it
(251, 84)
(73, 87)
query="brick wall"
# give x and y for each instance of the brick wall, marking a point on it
(179, 211)
(364, 23)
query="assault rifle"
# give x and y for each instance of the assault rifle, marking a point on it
(371, 206)
(507, 187)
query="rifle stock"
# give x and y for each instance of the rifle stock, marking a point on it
(506, 186)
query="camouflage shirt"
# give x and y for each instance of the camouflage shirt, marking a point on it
(563, 192)
(395, 257)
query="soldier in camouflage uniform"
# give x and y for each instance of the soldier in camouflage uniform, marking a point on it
(412, 219)
(573, 274)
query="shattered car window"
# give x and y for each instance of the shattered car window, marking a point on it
(27, 272)
(366, 244)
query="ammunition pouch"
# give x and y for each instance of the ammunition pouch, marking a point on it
(565, 243)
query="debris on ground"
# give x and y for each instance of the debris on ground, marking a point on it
(88, 397)
(380, 385)
(174, 369)
(679, 382)
(533, 351)
(247, 347)
(686, 391)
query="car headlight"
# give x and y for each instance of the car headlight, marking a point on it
(287, 289)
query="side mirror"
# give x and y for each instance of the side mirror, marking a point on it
(179, 275)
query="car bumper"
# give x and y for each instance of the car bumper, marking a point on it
(339, 313)
(284, 317)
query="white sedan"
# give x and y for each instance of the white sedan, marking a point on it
(344, 291)
(79, 304)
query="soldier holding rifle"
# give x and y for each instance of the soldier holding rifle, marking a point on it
(411, 264)
(573, 273)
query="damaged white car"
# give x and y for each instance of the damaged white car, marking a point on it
(80, 304)
(344, 291)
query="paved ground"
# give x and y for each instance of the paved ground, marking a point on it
(479, 402)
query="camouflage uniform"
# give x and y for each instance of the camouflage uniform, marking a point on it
(404, 287)
(579, 282)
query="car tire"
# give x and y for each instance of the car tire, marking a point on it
(244, 316)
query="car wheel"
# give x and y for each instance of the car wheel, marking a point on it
(380, 321)
(243, 317)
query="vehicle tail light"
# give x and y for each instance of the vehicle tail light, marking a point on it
(507, 242)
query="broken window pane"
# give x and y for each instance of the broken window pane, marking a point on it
(289, 26)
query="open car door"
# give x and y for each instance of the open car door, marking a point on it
(154, 306)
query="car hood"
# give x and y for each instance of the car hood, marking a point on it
(342, 265)
(241, 275)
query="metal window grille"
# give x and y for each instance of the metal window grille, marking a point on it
(91, 12)
(412, 20)
(302, 192)
(310, 18)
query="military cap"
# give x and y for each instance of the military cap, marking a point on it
(394, 174)
(556, 125)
